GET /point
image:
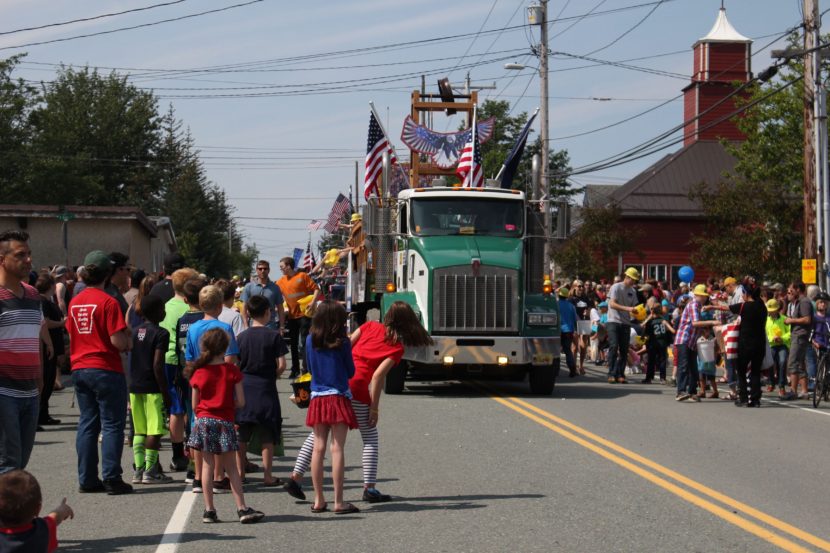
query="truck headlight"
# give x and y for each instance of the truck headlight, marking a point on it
(542, 319)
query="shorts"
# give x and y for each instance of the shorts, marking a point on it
(148, 414)
(798, 355)
(330, 410)
(211, 435)
(246, 430)
(177, 388)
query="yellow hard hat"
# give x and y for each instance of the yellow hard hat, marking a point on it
(772, 305)
(633, 274)
(700, 290)
(331, 257)
(355, 217)
(564, 292)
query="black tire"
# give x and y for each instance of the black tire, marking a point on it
(820, 387)
(396, 379)
(543, 379)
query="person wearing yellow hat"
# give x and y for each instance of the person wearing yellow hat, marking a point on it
(567, 326)
(685, 341)
(622, 299)
(778, 336)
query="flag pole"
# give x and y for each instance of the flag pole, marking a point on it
(504, 165)
(386, 136)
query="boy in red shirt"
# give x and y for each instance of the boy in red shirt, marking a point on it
(21, 530)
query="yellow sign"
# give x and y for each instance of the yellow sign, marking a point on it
(808, 271)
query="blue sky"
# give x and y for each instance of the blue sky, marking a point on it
(286, 153)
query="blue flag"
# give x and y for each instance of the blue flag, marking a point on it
(298, 256)
(511, 164)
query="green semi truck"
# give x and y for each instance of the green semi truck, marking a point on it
(470, 263)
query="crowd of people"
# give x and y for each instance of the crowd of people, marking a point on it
(174, 353)
(745, 334)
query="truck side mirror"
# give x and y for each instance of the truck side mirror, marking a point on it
(402, 226)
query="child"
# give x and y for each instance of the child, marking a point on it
(20, 527)
(190, 293)
(210, 302)
(377, 349)
(217, 389)
(706, 370)
(262, 359)
(148, 391)
(657, 330)
(778, 336)
(329, 355)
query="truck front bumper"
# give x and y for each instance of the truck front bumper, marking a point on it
(488, 350)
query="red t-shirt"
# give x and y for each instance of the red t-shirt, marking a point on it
(369, 352)
(215, 384)
(94, 316)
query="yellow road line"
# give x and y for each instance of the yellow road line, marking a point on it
(742, 523)
(714, 494)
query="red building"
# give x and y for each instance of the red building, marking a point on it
(657, 200)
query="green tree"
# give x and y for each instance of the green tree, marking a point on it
(17, 99)
(94, 142)
(754, 216)
(591, 252)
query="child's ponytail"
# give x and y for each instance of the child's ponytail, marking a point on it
(214, 343)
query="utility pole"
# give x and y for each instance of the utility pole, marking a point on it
(538, 15)
(811, 65)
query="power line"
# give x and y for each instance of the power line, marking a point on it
(628, 31)
(88, 35)
(83, 19)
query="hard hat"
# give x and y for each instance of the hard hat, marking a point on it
(633, 274)
(564, 292)
(700, 290)
(355, 217)
(772, 305)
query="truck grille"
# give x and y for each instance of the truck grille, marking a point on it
(466, 303)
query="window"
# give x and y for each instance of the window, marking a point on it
(657, 272)
(675, 278)
(402, 221)
(444, 216)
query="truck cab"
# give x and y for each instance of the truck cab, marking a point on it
(468, 261)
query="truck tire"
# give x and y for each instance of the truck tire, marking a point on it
(543, 379)
(395, 379)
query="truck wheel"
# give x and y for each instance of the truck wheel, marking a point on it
(543, 379)
(395, 379)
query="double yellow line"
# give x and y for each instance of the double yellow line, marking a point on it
(647, 468)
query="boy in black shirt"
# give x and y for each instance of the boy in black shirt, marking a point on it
(657, 331)
(148, 391)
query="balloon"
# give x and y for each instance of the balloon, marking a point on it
(686, 274)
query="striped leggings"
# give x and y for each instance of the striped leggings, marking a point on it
(368, 434)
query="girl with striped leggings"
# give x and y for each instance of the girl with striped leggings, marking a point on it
(376, 348)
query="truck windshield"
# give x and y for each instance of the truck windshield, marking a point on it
(467, 215)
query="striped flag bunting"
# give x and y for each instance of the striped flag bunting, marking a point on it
(469, 164)
(341, 206)
(308, 259)
(376, 144)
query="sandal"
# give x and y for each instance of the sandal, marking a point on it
(722, 380)
(731, 396)
(714, 395)
(273, 483)
(322, 509)
(348, 509)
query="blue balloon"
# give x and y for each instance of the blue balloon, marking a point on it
(686, 274)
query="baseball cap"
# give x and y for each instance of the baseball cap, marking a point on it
(700, 290)
(729, 280)
(633, 274)
(99, 259)
(173, 262)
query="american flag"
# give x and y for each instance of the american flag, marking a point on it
(341, 206)
(308, 259)
(315, 225)
(375, 146)
(469, 163)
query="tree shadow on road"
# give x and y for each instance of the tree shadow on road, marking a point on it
(122, 543)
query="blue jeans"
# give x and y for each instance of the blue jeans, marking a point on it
(779, 366)
(619, 336)
(567, 339)
(102, 400)
(812, 363)
(18, 422)
(686, 370)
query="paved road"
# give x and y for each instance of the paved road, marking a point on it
(595, 467)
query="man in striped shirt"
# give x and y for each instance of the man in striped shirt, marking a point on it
(686, 342)
(21, 330)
